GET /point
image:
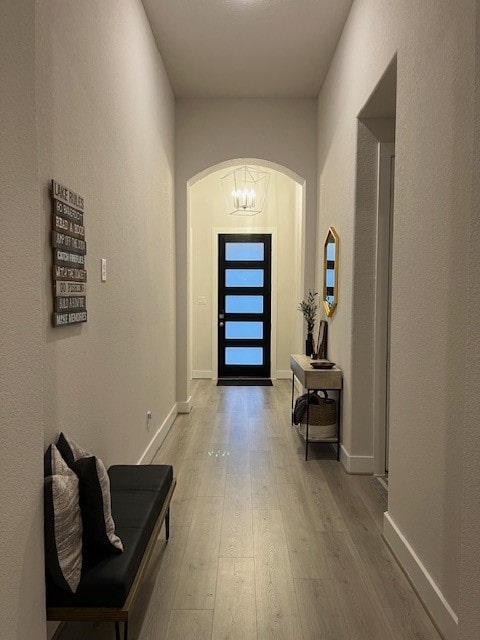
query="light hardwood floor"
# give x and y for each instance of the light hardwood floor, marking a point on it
(263, 544)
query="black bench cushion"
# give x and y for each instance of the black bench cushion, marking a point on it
(142, 477)
(138, 493)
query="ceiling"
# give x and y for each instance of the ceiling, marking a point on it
(247, 48)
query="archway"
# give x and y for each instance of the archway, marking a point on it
(284, 218)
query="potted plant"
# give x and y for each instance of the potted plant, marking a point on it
(309, 307)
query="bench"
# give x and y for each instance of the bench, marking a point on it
(141, 496)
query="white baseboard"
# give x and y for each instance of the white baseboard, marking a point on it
(428, 591)
(159, 437)
(284, 374)
(202, 375)
(356, 464)
(298, 387)
(185, 407)
(54, 630)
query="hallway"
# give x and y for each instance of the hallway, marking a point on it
(263, 544)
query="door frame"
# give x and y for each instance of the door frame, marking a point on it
(383, 266)
(217, 231)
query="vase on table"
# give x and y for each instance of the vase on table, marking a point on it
(309, 344)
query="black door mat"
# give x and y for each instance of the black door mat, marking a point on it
(244, 382)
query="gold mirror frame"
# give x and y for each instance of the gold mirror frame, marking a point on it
(330, 299)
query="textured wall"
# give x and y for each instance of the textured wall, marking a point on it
(106, 130)
(208, 212)
(469, 614)
(22, 609)
(359, 397)
(434, 43)
(211, 131)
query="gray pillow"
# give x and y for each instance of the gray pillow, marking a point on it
(95, 499)
(62, 521)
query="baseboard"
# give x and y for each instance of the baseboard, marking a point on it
(356, 464)
(284, 374)
(159, 437)
(298, 387)
(185, 407)
(435, 603)
(202, 375)
(58, 631)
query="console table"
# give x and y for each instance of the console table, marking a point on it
(315, 380)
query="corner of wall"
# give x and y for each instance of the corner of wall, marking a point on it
(355, 464)
(160, 435)
(186, 406)
(435, 603)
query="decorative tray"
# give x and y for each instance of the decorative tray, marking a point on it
(322, 364)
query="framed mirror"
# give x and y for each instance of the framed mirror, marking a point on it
(330, 272)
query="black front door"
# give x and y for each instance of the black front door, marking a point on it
(244, 305)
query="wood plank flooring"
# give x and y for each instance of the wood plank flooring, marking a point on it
(263, 544)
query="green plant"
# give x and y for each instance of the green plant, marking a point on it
(309, 307)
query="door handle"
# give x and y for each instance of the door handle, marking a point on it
(220, 324)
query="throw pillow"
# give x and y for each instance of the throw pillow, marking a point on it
(95, 498)
(62, 521)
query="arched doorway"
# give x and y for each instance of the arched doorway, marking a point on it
(283, 221)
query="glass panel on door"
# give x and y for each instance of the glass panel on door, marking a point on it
(244, 355)
(244, 251)
(247, 330)
(244, 278)
(244, 304)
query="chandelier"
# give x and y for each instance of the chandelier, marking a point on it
(245, 190)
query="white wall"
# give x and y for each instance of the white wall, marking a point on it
(434, 41)
(22, 609)
(85, 99)
(469, 613)
(106, 130)
(282, 214)
(209, 132)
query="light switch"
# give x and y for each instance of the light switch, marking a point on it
(104, 269)
(201, 300)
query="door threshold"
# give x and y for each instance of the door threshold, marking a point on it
(244, 382)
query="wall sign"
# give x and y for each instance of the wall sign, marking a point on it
(69, 288)
(70, 243)
(67, 259)
(69, 251)
(67, 273)
(77, 303)
(61, 319)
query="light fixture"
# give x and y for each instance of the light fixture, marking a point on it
(245, 190)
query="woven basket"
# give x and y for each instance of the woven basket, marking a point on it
(322, 420)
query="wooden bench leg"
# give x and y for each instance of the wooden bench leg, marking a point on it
(167, 524)
(117, 631)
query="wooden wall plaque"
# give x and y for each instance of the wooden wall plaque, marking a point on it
(76, 303)
(62, 319)
(65, 288)
(68, 259)
(69, 273)
(62, 240)
(67, 226)
(69, 250)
